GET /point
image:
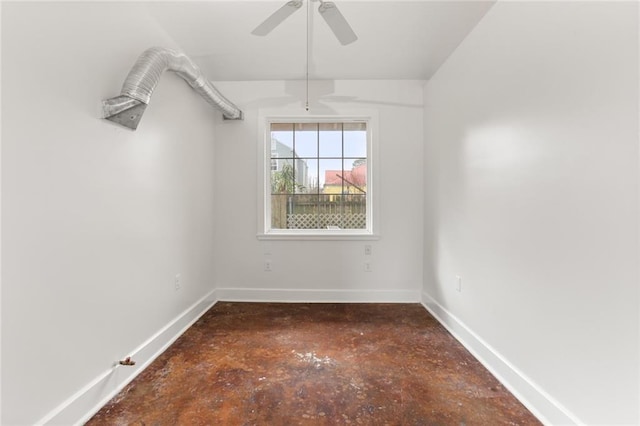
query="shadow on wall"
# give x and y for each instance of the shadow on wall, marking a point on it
(320, 94)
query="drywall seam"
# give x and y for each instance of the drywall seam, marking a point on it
(81, 406)
(546, 408)
(317, 296)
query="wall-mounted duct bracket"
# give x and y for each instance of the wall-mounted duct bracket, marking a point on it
(127, 109)
(124, 111)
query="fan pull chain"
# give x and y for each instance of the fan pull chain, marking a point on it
(307, 71)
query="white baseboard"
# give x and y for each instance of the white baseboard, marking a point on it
(317, 296)
(80, 407)
(540, 403)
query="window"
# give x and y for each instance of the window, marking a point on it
(318, 178)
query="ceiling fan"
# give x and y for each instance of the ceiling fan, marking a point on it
(328, 10)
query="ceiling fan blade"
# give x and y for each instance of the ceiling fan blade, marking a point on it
(337, 23)
(277, 18)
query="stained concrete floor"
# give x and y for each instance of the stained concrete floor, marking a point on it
(315, 364)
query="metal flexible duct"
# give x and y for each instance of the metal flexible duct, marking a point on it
(127, 109)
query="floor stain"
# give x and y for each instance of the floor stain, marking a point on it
(315, 364)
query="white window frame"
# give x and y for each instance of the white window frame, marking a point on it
(265, 232)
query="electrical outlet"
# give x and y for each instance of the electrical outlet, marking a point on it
(458, 283)
(367, 250)
(267, 266)
(177, 283)
(367, 266)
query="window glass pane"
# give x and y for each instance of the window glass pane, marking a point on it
(282, 178)
(302, 212)
(282, 127)
(313, 181)
(304, 204)
(354, 126)
(306, 127)
(330, 176)
(355, 140)
(355, 175)
(306, 140)
(354, 211)
(301, 176)
(329, 204)
(279, 211)
(330, 137)
(282, 144)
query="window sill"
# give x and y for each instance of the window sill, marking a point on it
(318, 236)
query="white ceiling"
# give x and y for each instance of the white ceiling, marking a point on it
(397, 39)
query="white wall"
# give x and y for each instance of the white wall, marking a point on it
(532, 198)
(322, 270)
(96, 219)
